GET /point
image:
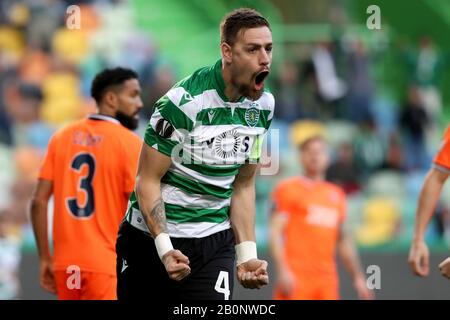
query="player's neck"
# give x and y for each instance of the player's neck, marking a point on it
(231, 92)
(106, 112)
(317, 177)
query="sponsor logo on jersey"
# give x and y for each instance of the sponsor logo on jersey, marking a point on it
(210, 115)
(186, 98)
(322, 216)
(226, 145)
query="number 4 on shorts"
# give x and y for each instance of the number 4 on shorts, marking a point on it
(223, 278)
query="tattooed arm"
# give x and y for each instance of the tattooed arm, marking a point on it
(156, 220)
(152, 167)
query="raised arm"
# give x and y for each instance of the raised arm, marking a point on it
(152, 167)
(251, 272)
(243, 208)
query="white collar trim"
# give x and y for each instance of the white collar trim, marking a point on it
(97, 116)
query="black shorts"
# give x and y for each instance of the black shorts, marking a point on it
(141, 274)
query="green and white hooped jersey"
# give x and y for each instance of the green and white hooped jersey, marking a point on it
(209, 139)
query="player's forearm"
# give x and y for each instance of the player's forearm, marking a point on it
(242, 213)
(277, 249)
(148, 193)
(38, 216)
(428, 199)
(349, 256)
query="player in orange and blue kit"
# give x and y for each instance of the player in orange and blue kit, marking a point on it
(428, 198)
(90, 170)
(306, 231)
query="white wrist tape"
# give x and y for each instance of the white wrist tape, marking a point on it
(163, 244)
(245, 251)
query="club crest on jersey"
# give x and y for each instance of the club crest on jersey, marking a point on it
(252, 115)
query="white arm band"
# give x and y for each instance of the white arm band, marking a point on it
(163, 244)
(245, 251)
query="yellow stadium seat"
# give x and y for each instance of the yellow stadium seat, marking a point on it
(62, 99)
(19, 14)
(12, 41)
(381, 219)
(302, 130)
(72, 45)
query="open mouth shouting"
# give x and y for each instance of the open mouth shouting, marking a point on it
(259, 79)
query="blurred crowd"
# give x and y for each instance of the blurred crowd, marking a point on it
(381, 145)
(46, 70)
(382, 141)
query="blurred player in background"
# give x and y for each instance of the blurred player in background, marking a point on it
(306, 229)
(90, 170)
(186, 217)
(428, 198)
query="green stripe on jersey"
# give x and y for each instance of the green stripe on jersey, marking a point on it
(173, 114)
(182, 214)
(222, 116)
(203, 79)
(191, 186)
(219, 171)
(164, 145)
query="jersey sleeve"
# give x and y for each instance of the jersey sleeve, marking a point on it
(278, 200)
(442, 159)
(171, 121)
(48, 166)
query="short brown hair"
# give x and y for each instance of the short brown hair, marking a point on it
(236, 20)
(311, 139)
